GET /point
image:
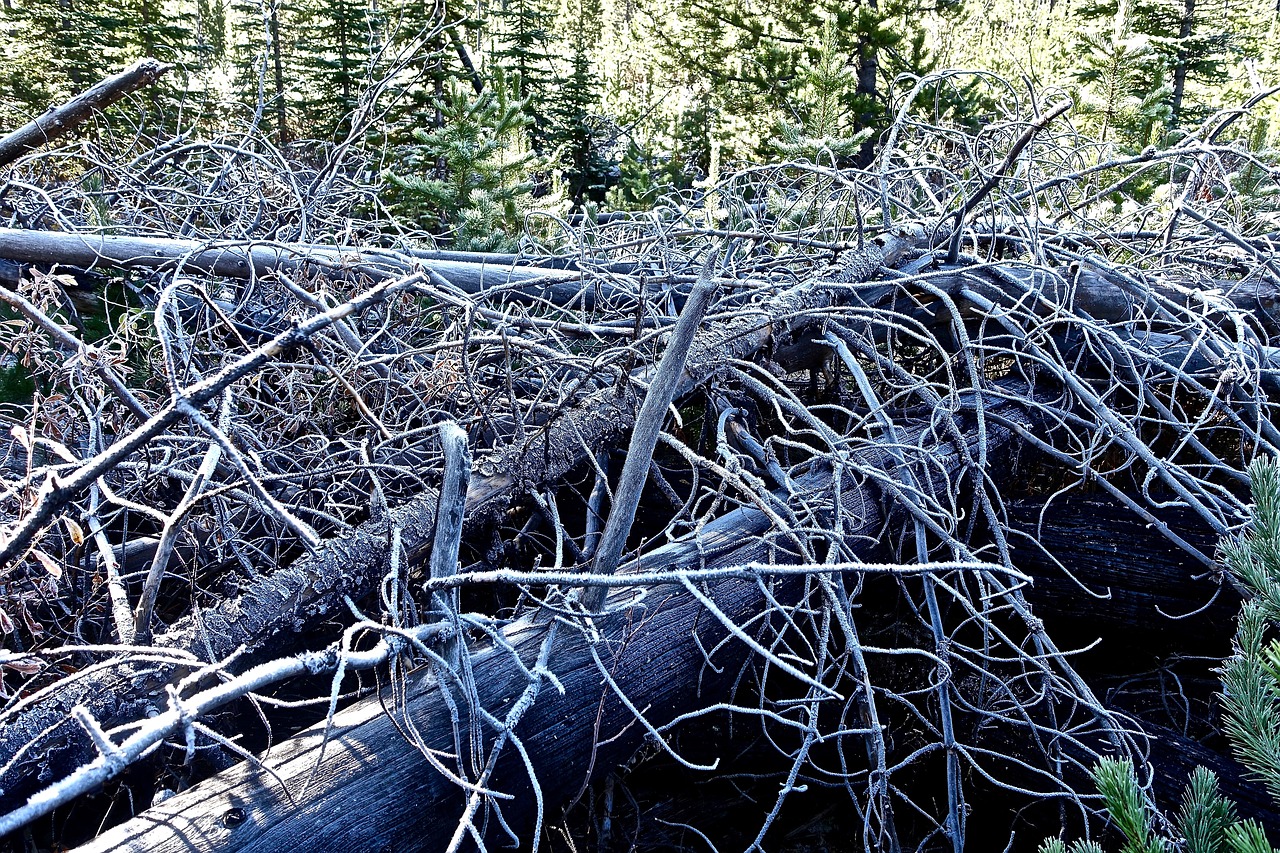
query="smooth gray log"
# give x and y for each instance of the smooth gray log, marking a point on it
(241, 260)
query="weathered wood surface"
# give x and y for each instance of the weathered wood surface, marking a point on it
(59, 120)
(1112, 573)
(306, 591)
(374, 791)
(1102, 295)
(241, 260)
(652, 651)
(288, 599)
(300, 594)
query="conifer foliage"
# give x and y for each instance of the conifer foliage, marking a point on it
(628, 99)
(1123, 87)
(825, 131)
(54, 49)
(341, 38)
(464, 179)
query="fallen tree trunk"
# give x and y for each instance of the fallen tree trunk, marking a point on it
(374, 791)
(44, 739)
(373, 788)
(1101, 571)
(1101, 580)
(241, 261)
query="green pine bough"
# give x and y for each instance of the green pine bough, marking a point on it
(1206, 821)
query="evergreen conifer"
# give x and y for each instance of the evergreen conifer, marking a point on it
(265, 63)
(524, 49)
(464, 179)
(335, 55)
(578, 139)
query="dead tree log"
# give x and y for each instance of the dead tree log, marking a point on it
(1101, 571)
(374, 791)
(59, 120)
(308, 590)
(241, 261)
(44, 736)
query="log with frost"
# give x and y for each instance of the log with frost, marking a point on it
(45, 742)
(1090, 288)
(375, 791)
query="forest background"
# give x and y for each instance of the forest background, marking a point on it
(470, 117)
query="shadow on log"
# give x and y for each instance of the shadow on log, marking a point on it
(374, 790)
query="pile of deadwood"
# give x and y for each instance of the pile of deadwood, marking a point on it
(858, 508)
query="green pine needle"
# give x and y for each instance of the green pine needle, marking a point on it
(1247, 837)
(1126, 804)
(1205, 814)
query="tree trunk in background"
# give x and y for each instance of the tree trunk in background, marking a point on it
(1180, 69)
(277, 62)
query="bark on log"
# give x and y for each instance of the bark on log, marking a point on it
(303, 593)
(1112, 575)
(374, 791)
(506, 259)
(57, 121)
(1101, 295)
(1126, 582)
(1174, 756)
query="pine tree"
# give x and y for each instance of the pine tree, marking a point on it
(577, 138)
(437, 37)
(265, 58)
(211, 31)
(468, 174)
(761, 61)
(1251, 677)
(335, 55)
(51, 50)
(824, 102)
(523, 48)
(1122, 83)
(54, 49)
(1159, 48)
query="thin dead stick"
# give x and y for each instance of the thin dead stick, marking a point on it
(58, 490)
(998, 175)
(113, 757)
(172, 528)
(121, 615)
